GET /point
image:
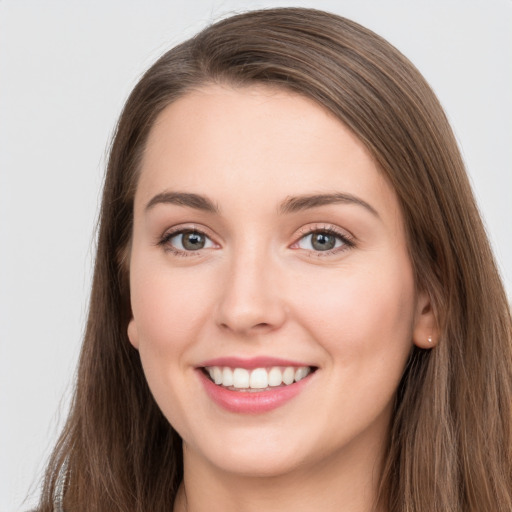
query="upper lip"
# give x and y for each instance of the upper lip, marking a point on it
(250, 363)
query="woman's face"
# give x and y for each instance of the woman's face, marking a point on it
(268, 248)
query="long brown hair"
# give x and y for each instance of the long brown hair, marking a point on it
(450, 445)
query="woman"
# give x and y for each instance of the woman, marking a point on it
(294, 304)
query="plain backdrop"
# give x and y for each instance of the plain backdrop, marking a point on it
(66, 68)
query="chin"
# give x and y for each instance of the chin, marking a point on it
(260, 455)
(260, 464)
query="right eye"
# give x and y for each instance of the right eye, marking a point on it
(186, 241)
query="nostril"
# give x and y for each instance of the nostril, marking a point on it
(261, 326)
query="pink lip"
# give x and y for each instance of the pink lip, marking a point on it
(251, 402)
(251, 363)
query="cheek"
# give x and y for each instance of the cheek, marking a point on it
(363, 322)
(167, 310)
(167, 307)
(363, 317)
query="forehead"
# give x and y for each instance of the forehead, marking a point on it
(255, 141)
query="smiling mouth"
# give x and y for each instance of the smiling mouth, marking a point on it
(257, 379)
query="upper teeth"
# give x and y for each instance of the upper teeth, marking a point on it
(259, 378)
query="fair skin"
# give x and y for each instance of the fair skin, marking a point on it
(238, 274)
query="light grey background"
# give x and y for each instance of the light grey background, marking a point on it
(66, 68)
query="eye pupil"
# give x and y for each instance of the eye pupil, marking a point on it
(323, 241)
(193, 241)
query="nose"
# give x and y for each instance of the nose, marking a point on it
(251, 300)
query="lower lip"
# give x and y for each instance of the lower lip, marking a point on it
(252, 402)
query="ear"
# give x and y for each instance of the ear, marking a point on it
(133, 333)
(425, 329)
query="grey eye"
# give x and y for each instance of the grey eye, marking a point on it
(193, 241)
(320, 241)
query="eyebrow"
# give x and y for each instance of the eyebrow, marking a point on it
(290, 205)
(196, 201)
(300, 203)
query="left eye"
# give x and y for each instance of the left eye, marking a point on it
(320, 241)
(190, 241)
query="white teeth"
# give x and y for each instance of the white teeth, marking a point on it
(275, 377)
(217, 375)
(240, 378)
(288, 375)
(259, 378)
(227, 377)
(300, 373)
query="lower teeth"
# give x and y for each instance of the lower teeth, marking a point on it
(252, 390)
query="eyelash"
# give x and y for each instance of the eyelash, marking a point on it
(167, 237)
(346, 240)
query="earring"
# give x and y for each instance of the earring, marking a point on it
(430, 339)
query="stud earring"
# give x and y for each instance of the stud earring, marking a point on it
(430, 339)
